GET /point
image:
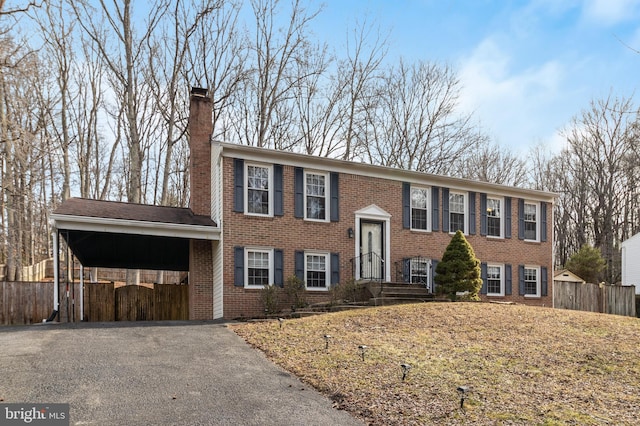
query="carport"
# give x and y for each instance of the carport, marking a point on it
(125, 235)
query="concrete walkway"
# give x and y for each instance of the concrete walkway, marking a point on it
(155, 374)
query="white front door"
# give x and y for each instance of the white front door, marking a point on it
(371, 250)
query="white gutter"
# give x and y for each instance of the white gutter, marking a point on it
(125, 226)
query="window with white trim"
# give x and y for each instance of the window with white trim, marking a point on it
(317, 270)
(259, 190)
(457, 209)
(420, 200)
(316, 195)
(531, 221)
(258, 267)
(419, 270)
(494, 217)
(495, 280)
(531, 281)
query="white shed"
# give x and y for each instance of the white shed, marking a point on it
(631, 262)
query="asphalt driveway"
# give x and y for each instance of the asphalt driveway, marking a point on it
(155, 374)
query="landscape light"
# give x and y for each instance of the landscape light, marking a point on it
(405, 370)
(362, 349)
(326, 341)
(462, 390)
(280, 320)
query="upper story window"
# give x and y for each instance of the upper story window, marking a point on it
(420, 198)
(456, 212)
(494, 217)
(258, 190)
(316, 194)
(530, 221)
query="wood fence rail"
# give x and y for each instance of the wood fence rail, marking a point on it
(608, 299)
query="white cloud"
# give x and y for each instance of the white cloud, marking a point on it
(515, 107)
(610, 12)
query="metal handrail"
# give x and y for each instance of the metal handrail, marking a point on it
(370, 265)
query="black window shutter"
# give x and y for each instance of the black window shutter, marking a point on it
(335, 197)
(543, 222)
(445, 209)
(507, 279)
(406, 270)
(507, 217)
(406, 205)
(483, 275)
(543, 281)
(238, 185)
(238, 265)
(335, 268)
(278, 268)
(434, 265)
(299, 266)
(298, 183)
(435, 211)
(278, 182)
(521, 279)
(483, 214)
(521, 218)
(472, 213)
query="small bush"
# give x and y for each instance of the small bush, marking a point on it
(296, 291)
(270, 298)
(349, 291)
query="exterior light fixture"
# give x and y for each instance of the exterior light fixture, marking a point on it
(405, 370)
(350, 232)
(462, 390)
(362, 349)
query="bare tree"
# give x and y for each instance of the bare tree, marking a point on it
(489, 162)
(415, 124)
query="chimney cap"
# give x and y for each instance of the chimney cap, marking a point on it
(199, 91)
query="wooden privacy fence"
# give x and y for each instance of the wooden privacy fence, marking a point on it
(25, 302)
(31, 302)
(608, 299)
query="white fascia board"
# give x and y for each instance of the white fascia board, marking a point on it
(122, 226)
(294, 159)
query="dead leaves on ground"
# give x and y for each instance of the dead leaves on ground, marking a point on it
(523, 365)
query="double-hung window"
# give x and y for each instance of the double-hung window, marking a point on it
(530, 221)
(457, 212)
(495, 280)
(259, 269)
(316, 195)
(419, 269)
(316, 271)
(531, 281)
(258, 195)
(420, 198)
(494, 217)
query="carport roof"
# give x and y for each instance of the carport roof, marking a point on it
(128, 235)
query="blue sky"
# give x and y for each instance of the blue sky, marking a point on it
(526, 67)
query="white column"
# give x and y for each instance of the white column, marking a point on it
(56, 270)
(81, 292)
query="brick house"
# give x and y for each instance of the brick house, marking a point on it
(278, 214)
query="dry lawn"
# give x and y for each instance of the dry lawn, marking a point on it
(522, 365)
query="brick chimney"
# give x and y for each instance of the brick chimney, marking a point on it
(200, 130)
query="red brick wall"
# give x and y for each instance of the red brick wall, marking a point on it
(357, 192)
(201, 280)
